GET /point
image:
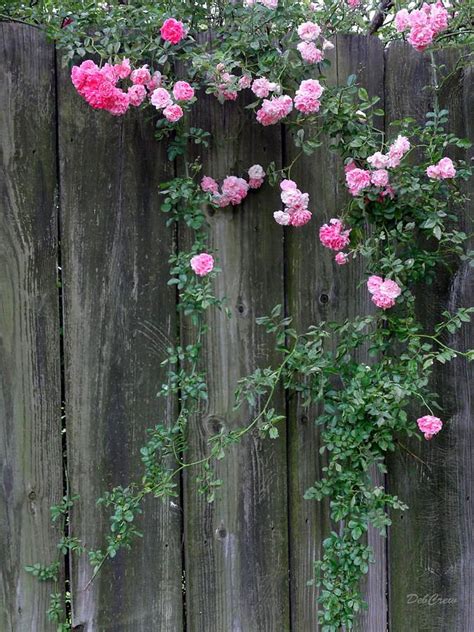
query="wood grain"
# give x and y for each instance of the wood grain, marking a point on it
(431, 551)
(30, 390)
(237, 548)
(320, 290)
(119, 319)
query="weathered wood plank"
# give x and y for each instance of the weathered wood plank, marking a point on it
(237, 548)
(318, 289)
(30, 391)
(119, 319)
(430, 549)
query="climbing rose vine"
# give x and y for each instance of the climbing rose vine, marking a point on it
(271, 57)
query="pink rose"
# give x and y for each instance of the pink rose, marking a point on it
(172, 31)
(310, 53)
(397, 150)
(245, 82)
(307, 104)
(209, 185)
(309, 31)
(173, 113)
(390, 289)
(141, 76)
(429, 425)
(300, 217)
(262, 87)
(123, 69)
(420, 37)
(182, 91)
(402, 20)
(287, 185)
(382, 301)
(220, 200)
(333, 235)
(256, 172)
(295, 199)
(202, 264)
(378, 160)
(161, 98)
(235, 189)
(350, 166)
(357, 179)
(373, 283)
(443, 170)
(307, 96)
(136, 94)
(419, 18)
(383, 292)
(439, 18)
(379, 178)
(255, 183)
(341, 258)
(224, 93)
(274, 109)
(281, 218)
(155, 81)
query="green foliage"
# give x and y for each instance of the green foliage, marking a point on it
(56, 611)
(44, 573)
(63, 508)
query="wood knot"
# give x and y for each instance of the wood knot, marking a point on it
(221, 532)
(215, 425)
(241, 307)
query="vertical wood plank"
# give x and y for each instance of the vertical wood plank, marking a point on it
(431, 572)
(30, 389)
(237, 547)
(119, 317)
(318, 289)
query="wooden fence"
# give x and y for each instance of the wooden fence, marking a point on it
(79, 188)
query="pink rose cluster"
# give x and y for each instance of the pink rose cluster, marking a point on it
(98, 86)
(295, 202)
(228, 85)
(359, 179)
(309, 33)
(442, 170)
(334, 236)
(423, 24)
(393, 157)
(356, 179)
(233, 189)
(161, 99)
(173, 31)
(429, 425)
(256, 176)
(277, 108)
(383, 292)
(261, 87)
(202, 264)
(307, 96)
(270, 4)
(353, 3)
(274, 109)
